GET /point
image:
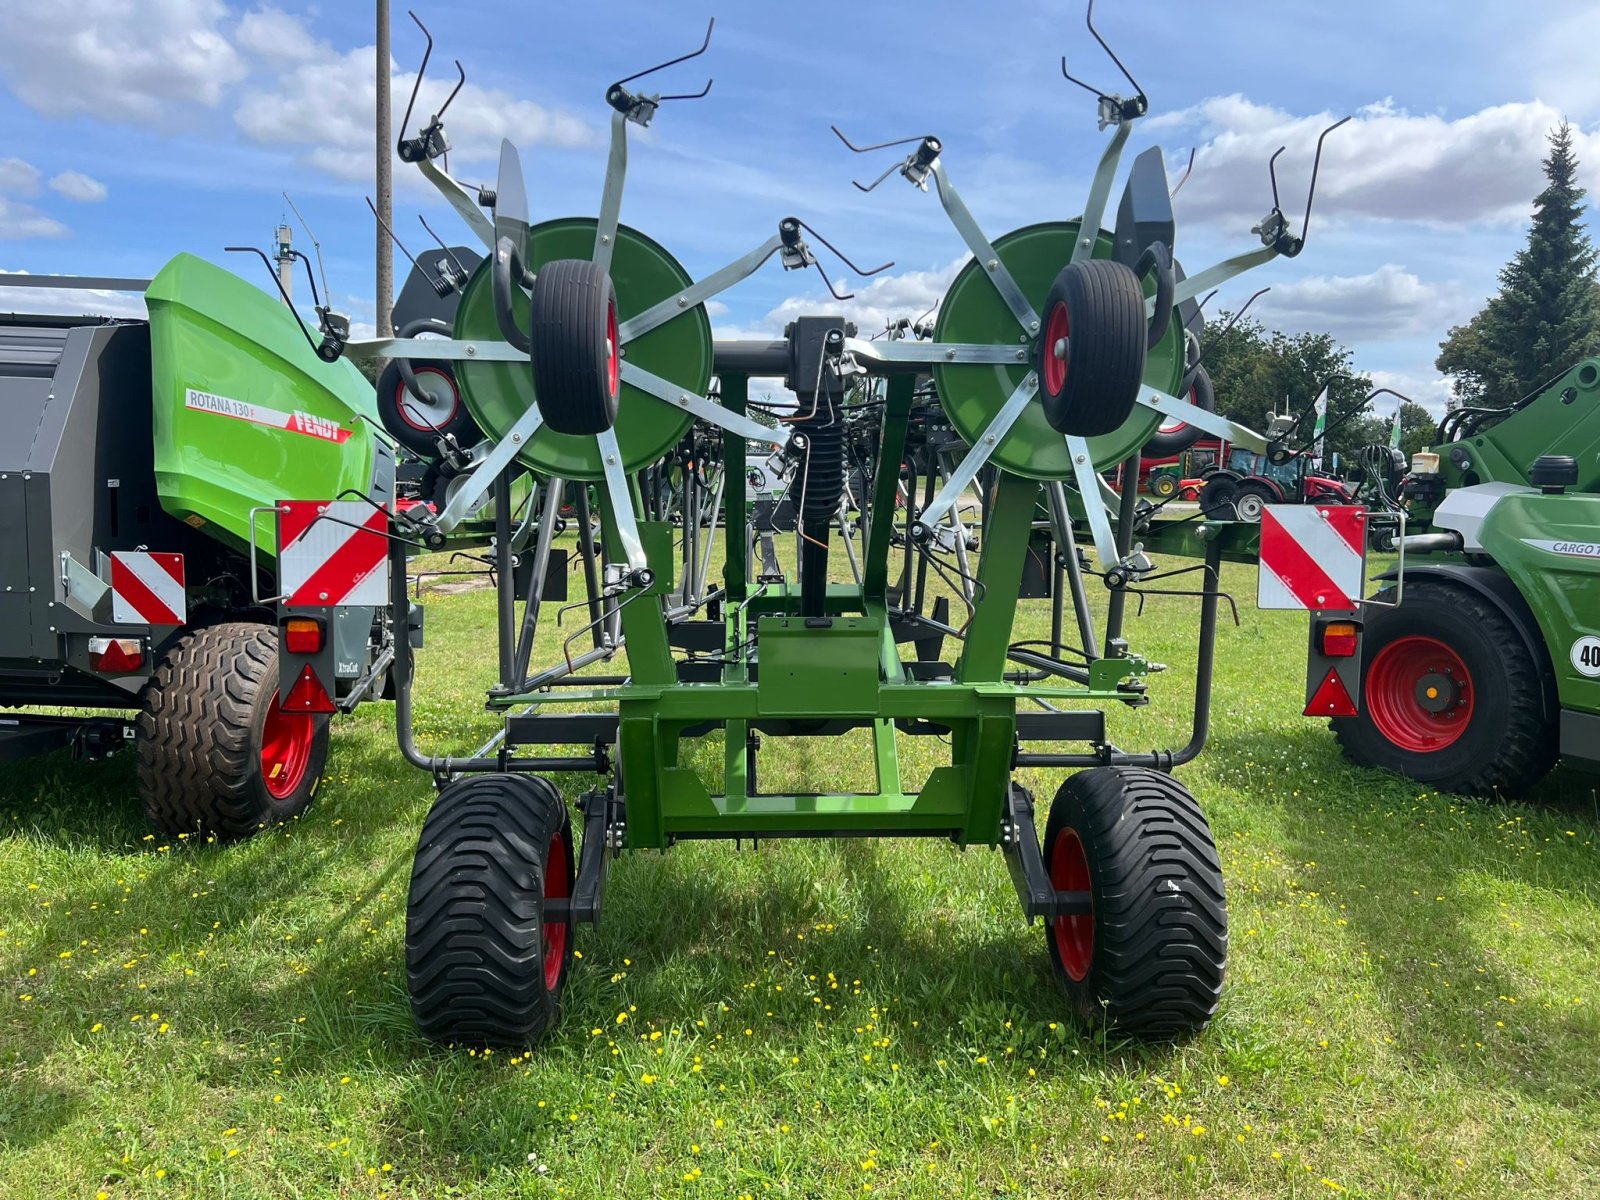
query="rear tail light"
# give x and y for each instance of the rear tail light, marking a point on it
(1339, 639)
(302, 635)
(116, 656)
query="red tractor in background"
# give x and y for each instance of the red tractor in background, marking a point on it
(1251, 481)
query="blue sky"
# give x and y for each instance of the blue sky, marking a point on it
(138, 130)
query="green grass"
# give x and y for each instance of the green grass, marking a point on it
(1411, 1006)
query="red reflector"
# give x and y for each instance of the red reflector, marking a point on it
(116, 656)
(302, 635)
(1340, 639)
(308, 695)
(1332, 699)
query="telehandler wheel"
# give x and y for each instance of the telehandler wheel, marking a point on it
(217, 754)
(1092, 352)
(1148, 960)
(577, 360)
(483, 966)
(418, 424)
(1451, 696)
(1250, 501)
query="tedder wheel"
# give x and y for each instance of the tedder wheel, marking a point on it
(1451, 696)
(1249, 501)
(483, 966)
(575, 348)
(1164, 486)
(418, 424)
(1148, 960)
(1217, 496)
(1092, 352)
(217, 754)
(1174, 437)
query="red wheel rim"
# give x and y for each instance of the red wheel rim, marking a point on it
(1074, 935)
(613, 357)
(286, 740)
(1419, 694)
(556, 869)
(1057, 328)
(404, 402)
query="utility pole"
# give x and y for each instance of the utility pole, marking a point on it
(385, 180)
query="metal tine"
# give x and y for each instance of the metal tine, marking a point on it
(867, 187)
(865, 272)
(422, 70)
(1232, 321)
(1136, 107)
(315, 244)
(464, 272)
(672, 62)
(278, 283)
(1311, 192)
(393, 236)
(1201, 305)
(1184, 178)
(316, 300)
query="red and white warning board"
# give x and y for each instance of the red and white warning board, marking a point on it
(1312, 556)
(332, 552)
(147, 588)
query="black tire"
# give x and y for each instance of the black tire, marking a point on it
(1164, 486)
(575, 352)
(1216, 497)
(1095, 311)
(1149, 960)
(1172, 442)
(211, 734)
(482, 965)
(1250, 499)
(418, 426)
(1507, 740)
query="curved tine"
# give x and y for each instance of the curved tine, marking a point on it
(869, 187)
(672, 62)
(1376, 392)
(316, 300)
(1272, 171)
(1090, 88)
(839, 254)
(832, 291)
(390, 231)
(416, 87)
(1316, 167)
(1233, 320)
(454, 92)
(1184, 178)
(700, 95)
(1088, 19)
(839, 133)
(1200, 306)
(442, 246)
(278, 283)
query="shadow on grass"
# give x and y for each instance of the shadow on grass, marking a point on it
(1386, 852)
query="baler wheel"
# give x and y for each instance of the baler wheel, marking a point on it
(1148, 959)
(483, 966)
(216, 755)
(416, 424)
(1092, 352)
(577, 355)
(1451, 696)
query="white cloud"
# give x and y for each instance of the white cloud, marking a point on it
(19, 221)
(1389, 304)
(884, 299)
(71, 301)
(18, 178)
(274, 36)
(114, 60)
(75, 185)
(1427, 388)
(1387, 163)
(323, 108)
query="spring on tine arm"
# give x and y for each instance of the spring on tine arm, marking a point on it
(1126, 110)
(423, 145)
(621, 99)
(914, 167)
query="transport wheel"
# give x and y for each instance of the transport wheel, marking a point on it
(483, 966)
(418, 423)
(1249, 501)
(1164, 487)
(1217, 496)
(1148, 960)
(217, 754)
(1092, 354)
(1451, 696)
(1174, 437)
(575, 351)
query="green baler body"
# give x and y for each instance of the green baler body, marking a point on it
(245, 413)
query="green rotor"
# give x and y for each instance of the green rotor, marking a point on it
(973, 393)
(647, 428)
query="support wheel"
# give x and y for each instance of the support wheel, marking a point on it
(217, 754)
(1451, 696)
(483, 966)
(577, 360)
(418, 423)
(1148, 960)
(1092, 354)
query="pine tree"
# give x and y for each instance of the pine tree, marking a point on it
(1546, 314)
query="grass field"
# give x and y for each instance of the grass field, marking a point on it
(1411, 1006)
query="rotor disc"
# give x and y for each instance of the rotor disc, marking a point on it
(647, 428)
(973, 393)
